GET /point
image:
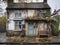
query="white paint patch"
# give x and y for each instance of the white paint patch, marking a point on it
(31, 13)
(11, 25)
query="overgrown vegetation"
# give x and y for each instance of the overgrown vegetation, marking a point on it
(47, 14)
(3, 20)
(55, 25)
(3, 24)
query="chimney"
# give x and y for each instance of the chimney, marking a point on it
(45, 1)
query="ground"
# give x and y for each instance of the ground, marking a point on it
(3, 38)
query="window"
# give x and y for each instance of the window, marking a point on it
(40, 13)
(18, 25)
(17, 14)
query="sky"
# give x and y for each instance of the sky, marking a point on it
(54, 4)
(2, 8)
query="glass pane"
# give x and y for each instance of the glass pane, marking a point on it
(19, 23)
(18, 13)
(40, 13)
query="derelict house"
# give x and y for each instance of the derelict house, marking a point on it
(28, 17)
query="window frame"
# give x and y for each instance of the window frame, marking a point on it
(39, 13)
(18, 26)
(18, 14)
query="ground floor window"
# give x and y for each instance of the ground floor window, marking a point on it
(18, 25)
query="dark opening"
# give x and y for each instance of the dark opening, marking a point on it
(43, 36)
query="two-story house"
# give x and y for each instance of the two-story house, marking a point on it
(30, 16)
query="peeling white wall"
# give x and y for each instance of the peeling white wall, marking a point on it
(24, 14)
(11, 24)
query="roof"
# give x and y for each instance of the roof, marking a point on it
(40, 5)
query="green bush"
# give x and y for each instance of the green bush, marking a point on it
(3, 20)
(55, 25)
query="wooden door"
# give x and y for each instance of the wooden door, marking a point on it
(30, 29)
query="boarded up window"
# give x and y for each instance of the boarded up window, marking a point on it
(42, 26)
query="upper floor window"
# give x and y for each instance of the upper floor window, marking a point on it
(41, 12)
(18, 14)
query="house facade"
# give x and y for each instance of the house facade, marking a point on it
(30, 16)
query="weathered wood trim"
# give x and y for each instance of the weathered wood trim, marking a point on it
(26, 28)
